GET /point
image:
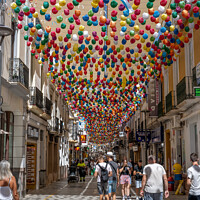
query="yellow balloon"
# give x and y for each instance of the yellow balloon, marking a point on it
(56, 64)
(31, 33)
(182, 38)
(136, 54)
(164, 17)
(75, 71)
(142, 40)
(127, 72)
(62, 62)
(81, 28)
(123, 18)
(13, 5)
(43, 9)
(75, 47)
(172, 27)
(62, 2)
(35, 15)
(91, 52)
(58, 7)
(110, 69)
(101, 60)
(122, 23)
(95, 5)
(136, 28)
(60, 38)
(134, 7)
(42, 47)
(121, 47)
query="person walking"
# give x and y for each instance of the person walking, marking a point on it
(125, 180)
(152, 182)
(138, 173)
(113, 180)
(81, 167)
(193, 178)
(8, 185)
(103, 171)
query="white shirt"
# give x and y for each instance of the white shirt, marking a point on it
(154, 173)
(98, 169)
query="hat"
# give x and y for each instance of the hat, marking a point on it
(110, 154)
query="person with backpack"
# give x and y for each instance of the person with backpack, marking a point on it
(125, 180)
(193, 178)
(113, 180)
(103, 171)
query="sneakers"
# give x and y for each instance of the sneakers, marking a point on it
(129, 198)
(137, 198)
(124, 198)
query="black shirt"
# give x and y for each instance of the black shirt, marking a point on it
(137, 176)
(125, 170)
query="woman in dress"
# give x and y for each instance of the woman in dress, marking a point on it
(8, 185)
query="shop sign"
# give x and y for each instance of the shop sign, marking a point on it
(153, 98)
(197, 91)
(140, 136)
(157, 135)
(135, 148)
(121, 134)
(198, 73)
(83, 138)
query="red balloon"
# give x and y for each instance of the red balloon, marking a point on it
(19, 26)
(66, 11)
(70, 6)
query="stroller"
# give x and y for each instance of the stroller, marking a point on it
(73, 175)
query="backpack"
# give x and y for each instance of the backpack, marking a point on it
(104, 174)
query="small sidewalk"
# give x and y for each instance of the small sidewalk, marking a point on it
(172, 196)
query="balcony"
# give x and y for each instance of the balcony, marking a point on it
(47, 104)
(19, 76)
(54, 128)
(161, 107)
(184, 89)
(61, 126)
(36, 100)
(170, 101)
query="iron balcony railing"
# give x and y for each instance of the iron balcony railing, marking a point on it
(36, 97)
(161, 107)
(47, 106)
(170, 101)
(184, 89)
(55, 124)
(18, 72)
(61, 126)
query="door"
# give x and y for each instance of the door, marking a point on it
(168, 152)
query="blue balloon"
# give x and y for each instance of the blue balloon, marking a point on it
(82, 46)
(132, 23)
(30, 16)
(47, 17)
(126, 13)
(169, 23)
(106, 1)
(196, 14)
(145, 36)
(95, 23)
(163, 30)
(156, 14)
(124, 41)
(85, 18)
(95, 10)
(123, 29)
(30, 25)
(176, 31)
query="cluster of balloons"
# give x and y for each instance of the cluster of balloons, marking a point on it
(103, 75)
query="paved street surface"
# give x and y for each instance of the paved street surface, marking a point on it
(79, 191)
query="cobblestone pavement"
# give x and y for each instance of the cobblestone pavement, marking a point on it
(79, 191)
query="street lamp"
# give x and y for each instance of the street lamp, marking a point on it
(4, 31)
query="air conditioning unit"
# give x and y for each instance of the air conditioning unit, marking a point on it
(176, 122)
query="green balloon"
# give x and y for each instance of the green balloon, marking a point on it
(18, 2)
(80, 33)
(26, 37)
(17, 10)
(118, 49)
(38, 26)
(173, 6)
(114, 19)
(187, 29)
(152, 38)
(42, 13)
(144, 22)
(90, 13)
(59, 18)
(132, 33)
(63, 26)
(113, 4)
(90, 47)
(93, 41)
(89, 23)
(26, 28)
(103, 28)
(71, 19)
(25, 9)
(191, 19)
(75, 3)
(198, 3)
(174, 14)
(105, 38)
(181, 4)
(68, 36)
(150, 5)
(128, 21)
(46, 4)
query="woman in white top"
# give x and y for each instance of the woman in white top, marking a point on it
(8, 185)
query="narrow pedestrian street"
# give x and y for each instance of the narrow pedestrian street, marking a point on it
(79, 191)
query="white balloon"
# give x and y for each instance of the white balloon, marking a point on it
(143, 54)
(161, 45)
(145, 15)
(155, 35)
(123, 52)
(136, 49)
(85, 33)
(74, 37)
(115, 42)
(158, 26)
(191, 25)
(122, 33)
(93, 50)
(177, 18)
(161, 9)
(40, 32)
(95, 56)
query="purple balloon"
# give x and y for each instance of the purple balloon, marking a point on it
(178, 9)
(115, 37)
(21, 13)
(148, 44)
(121, 7)
(107, 21)
(94, 33)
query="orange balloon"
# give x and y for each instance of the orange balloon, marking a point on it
(112, 24)
(136, 36)
(151, 11)
(102, 19)
(157, 20)
(77, 13)
(112, 34)
(169, 11)
(48, 29)
(69, 45)
(185, 13)
(108, 42)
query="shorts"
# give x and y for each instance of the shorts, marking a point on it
(138, 184)
(102, 188)
(192, 197)
(153, 196)
(112, 186)
(125, 179)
